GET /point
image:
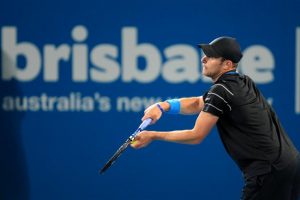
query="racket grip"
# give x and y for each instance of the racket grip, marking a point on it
(145, 123)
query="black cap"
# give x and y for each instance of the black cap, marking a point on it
(226, 47)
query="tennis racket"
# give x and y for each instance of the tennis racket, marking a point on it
(122, 148)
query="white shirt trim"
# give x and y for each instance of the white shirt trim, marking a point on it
(220, 98)
(225, 88)
(215, 107)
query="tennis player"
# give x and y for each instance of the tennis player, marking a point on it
(248, 126)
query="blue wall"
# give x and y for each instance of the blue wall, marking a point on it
(76, 77)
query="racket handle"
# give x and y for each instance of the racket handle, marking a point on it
(145, 123)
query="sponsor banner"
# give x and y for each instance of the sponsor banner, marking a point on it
(75, 78)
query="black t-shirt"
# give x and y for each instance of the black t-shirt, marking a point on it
(248, 126)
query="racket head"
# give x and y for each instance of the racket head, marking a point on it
(122, 148)
(116, 155)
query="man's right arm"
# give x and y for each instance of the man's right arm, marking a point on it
(191, 105)
(188, 106)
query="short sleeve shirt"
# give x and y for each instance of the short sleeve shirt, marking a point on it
(217, 100)
(248, 126)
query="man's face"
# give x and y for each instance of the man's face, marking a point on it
(211, 67)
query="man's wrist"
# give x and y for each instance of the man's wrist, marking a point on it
(154, 135)
(174, 106)
(164, 106)
(160, 108)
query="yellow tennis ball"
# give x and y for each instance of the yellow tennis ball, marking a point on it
(134, 141)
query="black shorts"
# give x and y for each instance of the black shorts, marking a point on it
(276, 185)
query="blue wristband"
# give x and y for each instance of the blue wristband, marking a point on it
(174, 106)
(160, 108)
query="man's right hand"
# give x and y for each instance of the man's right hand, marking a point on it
(154, 112)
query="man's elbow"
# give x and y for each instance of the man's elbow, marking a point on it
(195, 142)
(197, 139)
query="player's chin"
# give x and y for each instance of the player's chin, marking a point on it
(207, 74)
(204, 72)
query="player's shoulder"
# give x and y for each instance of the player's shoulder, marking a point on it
(232, 84)
(222, 88)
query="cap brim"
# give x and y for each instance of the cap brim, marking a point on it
(208, 50)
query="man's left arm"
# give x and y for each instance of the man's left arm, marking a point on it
(202, 127)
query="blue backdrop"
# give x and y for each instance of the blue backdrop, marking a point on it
(76, 77)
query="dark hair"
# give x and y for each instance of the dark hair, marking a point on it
(235, 65)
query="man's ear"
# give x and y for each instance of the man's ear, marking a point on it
(228, 65)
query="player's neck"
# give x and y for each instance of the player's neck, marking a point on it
(215, 78)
